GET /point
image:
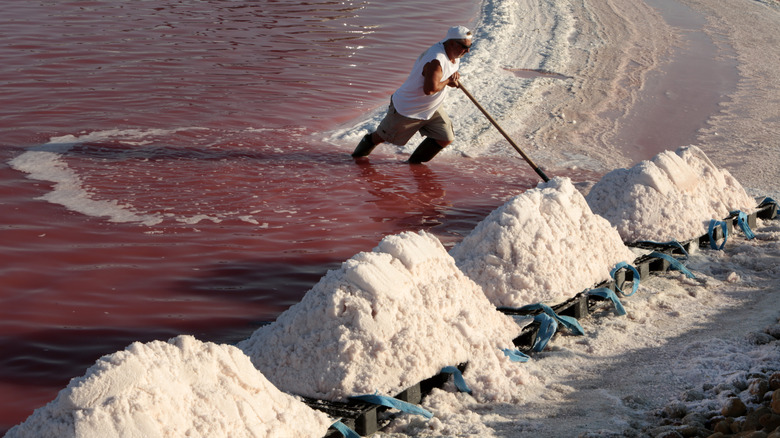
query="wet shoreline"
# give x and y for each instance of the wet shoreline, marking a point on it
(678, 99)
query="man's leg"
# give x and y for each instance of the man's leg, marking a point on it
(438, 134)
(366, 145)
(427, 150)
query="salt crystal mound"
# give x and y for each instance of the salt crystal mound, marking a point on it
(544, 245)
(671, 197)
(384, 321)
(180, 388)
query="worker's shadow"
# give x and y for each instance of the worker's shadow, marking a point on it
(412, 195)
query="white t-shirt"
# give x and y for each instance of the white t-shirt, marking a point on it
(410, 100)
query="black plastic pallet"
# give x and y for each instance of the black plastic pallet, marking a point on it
(583, 304)
(767, 210)
(366, 418)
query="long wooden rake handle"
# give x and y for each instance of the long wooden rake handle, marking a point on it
(506, 136)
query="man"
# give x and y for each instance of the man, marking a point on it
(416, 105)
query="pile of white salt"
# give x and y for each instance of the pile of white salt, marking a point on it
(544, 245)
(182, 387)
(384, 321)
(671, 197)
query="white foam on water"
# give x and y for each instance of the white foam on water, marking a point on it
(47, 162)
(50, 162)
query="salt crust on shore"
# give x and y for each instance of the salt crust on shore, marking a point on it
(184, 387)
(671, 197)
(531, 249)
(386, 320)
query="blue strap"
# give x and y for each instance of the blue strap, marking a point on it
(724, 226)
(457, 377)
(390, 402)
(620, 266)
(520, 320)
(610, 294)
(570, 323)
(516, 355)
(673, 263)
(548, 328)
(669, 243)
(767, 200)
(567, 321)
(742, 223)
(345, 431)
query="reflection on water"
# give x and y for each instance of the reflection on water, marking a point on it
(413, 199)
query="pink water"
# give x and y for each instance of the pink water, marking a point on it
(217, 106)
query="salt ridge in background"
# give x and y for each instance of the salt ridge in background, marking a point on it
(671, 197)
(531, 249)
(384, 321)
(180, 388)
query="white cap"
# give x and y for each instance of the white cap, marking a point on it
(458, 33)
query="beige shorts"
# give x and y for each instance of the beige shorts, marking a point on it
(398, 129)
